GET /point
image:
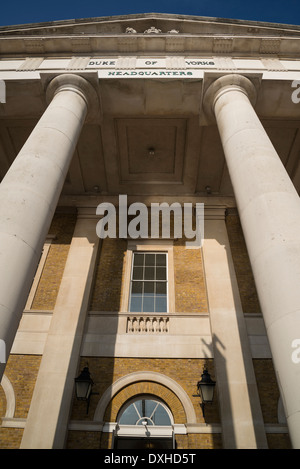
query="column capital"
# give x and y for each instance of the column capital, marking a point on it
(225, 84)
(76, 84)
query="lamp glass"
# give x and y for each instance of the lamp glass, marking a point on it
(83, 389)
(83, 385)
(206, 387)
(207, 392)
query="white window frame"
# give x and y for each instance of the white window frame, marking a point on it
(166, 281)
(150, 246)
(151, 397)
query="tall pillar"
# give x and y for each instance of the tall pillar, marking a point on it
(269, 210)
(29, 194)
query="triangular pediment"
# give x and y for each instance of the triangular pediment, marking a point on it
(154, 33)
(152, 23)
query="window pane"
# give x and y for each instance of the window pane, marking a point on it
(148, 304)
(149, 273)
(149, 259)
(149, 407)
(136, 304)
(161, 273)
(139, 408)
(161, 416)
(161, 288)
(161, 304)
(138, 259)
(137, 273)
(161, 259)
(149, 288)
(137, 287)
(129, 416)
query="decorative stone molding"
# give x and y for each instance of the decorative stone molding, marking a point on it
(34, 46)
(224, 63)
(30, 63)
(82, 44)
(175, 44)
(224, 84)
(78, 63)
(69, 81)
(130, 31)
(270, 46)
(153, 30)
(273, 64)
(77, 84)
(222, 45)
(127, 44)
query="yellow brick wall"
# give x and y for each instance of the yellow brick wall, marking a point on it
(241, 262)
(267, 389)
(190, 290)
(86, 440)
(269, 395)
(200, 441)
(22, 371)
(278, 441)
(106, 295)
(62, 227)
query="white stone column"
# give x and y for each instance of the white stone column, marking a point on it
(48, 416)
(269, 210)
(241, 416)
(29, 194)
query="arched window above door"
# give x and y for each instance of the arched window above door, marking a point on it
(145, 410)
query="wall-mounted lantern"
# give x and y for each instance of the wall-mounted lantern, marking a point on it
(83, 387)
(205, 388)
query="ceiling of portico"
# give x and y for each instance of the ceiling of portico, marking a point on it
(149, 140)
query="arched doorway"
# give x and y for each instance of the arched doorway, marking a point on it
(144, 422)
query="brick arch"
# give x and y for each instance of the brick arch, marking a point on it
(145, 382)
(142, 388)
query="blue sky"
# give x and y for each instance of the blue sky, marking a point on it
(32, 11)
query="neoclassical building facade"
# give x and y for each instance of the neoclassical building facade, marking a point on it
(163, 110)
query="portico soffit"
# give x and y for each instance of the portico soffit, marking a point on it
(112, 155)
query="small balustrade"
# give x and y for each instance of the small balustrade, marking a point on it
(147, 324)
